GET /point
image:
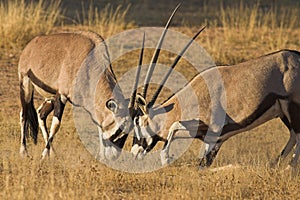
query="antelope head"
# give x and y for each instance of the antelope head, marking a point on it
(114, 118)
(144, 125)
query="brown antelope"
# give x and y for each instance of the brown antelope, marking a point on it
(75, 68)
(229, 100)
(51, 64)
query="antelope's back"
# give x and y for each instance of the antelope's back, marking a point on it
(54, 60)
(247, 86)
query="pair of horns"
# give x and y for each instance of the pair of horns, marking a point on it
(153, 64)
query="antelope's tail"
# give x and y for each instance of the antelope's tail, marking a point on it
(28, 111)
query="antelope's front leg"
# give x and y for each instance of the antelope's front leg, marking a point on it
(43, 111)
(164, 154)
(58, 105)
(207, 157)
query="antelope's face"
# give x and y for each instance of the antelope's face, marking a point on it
(114, 128)
(144, 130)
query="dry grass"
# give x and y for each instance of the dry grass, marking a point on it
(260, 30)
(74, 174)
(107, 21)
(20, 21)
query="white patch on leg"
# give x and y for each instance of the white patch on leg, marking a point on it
(42, 124)
(164, 157)
(111, 152)
(204, 149)
(54, 126)
(23, 151)
(63, 99)
(45, 153)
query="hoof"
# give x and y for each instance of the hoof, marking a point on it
(165, 158)
(165, 162)
(45, 153)
(23, 152)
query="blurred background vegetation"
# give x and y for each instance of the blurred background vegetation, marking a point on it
(237, 30)
(259, 26)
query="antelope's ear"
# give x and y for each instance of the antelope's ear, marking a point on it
(112, 105)
(141, 103)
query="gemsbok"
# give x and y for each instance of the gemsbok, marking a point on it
(229, 100)
(75, 68)
(51, 64)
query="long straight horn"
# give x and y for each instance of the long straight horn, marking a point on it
(151, 103)
(137, 76)
(156, 54)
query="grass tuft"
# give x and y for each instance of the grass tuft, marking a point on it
(106, 21)
(20, 21)
(251, 27)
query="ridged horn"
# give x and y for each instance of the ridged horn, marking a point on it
(151, 103)
(137, 76)
(156, 54)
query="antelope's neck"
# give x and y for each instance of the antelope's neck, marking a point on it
(165, 115)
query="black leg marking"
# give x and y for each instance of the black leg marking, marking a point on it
(46, 109)
(58, 106)
(294, 111)
(289, 146)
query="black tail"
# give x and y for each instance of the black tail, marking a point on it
(33, 121)
(29, 115)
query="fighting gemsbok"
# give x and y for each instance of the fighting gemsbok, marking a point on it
(51, 65)
(75, 67)
(229, 100)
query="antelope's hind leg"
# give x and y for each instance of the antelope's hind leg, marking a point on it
(294, 111)
(209, 154)
(290, 144)
(58, 106)
(43, 111)
(296, 155)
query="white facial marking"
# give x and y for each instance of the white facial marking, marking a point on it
(106, 150)
(144, 132)
(136, 150)
(149, 140)
(111, 152)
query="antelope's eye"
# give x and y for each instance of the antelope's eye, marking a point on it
(112, 105)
